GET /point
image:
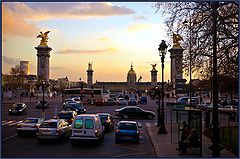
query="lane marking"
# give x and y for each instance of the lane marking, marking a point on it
(136, 153)
(9, 137)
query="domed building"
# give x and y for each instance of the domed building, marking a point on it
(131, 76)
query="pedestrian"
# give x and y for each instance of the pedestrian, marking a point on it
(207, 119)
(185, 133)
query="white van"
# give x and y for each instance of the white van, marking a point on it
(87, 127)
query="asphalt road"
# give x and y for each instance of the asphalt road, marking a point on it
(15, 146)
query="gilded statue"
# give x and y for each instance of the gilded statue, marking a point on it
(89, 66)
(176, 39)
(154, 66)
(44, 39)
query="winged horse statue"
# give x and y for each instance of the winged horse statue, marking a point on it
(44, 39)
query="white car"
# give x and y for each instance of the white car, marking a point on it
(28, 125)
(122, 101)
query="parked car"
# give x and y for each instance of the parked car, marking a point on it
(143, 100)
(220, 107)
(42, 103)
(134, 112)
(107, 121)
(67, 115)
(193, 103)
(76, 99)
(203, 105)
(28, 126)
(78, 107)
(132, 101)
(100, 102)
(110, 101)
(18, 108)
(87, 127)
(122, 101)
(127, 131)
(53, 129)
(66, 101)
(185, 100)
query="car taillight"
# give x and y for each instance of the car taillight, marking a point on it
(116, 130)
(34, 126)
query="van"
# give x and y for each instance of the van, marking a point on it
(87, 127)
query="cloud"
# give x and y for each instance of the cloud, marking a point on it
(103, 39)
(56, 67)
(100, 51)
(10, 60)
(141, 17)
(138, 27)
(12, 25)
(45, 11)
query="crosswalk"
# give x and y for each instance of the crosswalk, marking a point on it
(10, 123)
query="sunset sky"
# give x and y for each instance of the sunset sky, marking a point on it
(111, 35)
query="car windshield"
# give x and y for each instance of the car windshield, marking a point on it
(17, 106)
(48, 125)
(127, 126)
(65, 115)
(30, 120)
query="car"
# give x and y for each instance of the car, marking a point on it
(100, 102)
(203, 105)
(66, 101)
(78, 107)
(132, 101)
(194, 102)
(76, 99)
(186, 100)
(127, 131)
(122, 101)
(18, 108)
(39, 105)
(67, 115)
(110, 101)
(28, 126)
(133, 112)
(87, 127)
(210, 107)
(53, 129)
(107, 121)
(91, 101)
(143, 100)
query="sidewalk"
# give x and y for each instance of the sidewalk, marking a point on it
(164, 148)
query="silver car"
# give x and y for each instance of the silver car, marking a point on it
(28, 125)
(54, 129)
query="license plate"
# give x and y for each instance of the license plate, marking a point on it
(77, 131)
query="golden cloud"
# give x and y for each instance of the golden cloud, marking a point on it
(12, 25)
(103, 39)
(109, 50)
(138, 27)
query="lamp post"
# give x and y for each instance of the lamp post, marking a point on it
(157, 90)
(162, 52)
(190, 57)
(43, 102)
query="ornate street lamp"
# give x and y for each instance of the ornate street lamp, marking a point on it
(162, 52)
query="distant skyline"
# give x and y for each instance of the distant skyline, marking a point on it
(111, 35)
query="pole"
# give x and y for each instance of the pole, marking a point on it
(43, 102)
(162, 129)
(215, 138)
(190, 58)
(158, 111)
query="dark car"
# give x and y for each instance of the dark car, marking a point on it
(67, 115)
(107, 121)
(127, 131)
(134, 112)
(143, 100)
(78, 107)
(100, 102)
(39, 105)
(18, 108)
(132, 101)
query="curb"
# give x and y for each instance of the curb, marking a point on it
(153, 143)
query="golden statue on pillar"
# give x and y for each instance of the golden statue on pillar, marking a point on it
(90, 66)
(44, 38)
(176, 39)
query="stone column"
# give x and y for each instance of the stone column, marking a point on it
(153, 77)
(43, 54)
(176, 70)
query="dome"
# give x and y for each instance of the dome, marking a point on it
(131, 76)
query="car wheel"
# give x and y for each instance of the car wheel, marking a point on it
(125, 116)
(150, 116)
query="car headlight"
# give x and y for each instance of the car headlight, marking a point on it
(20, 110)
(10, 110)
(84, 109)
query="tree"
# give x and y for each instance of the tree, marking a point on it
(180, 14)
(16, 78)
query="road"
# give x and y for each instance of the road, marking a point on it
(14, 146)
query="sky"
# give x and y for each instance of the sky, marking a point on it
(110, 35)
